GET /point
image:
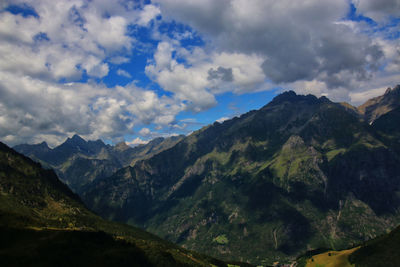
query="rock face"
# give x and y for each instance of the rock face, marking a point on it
(78, 162)
(300, 173)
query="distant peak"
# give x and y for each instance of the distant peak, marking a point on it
(122, 146)
(76, 137)
(395, 90)
(43, 144)
(75, 140)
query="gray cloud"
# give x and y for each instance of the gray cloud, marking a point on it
(223, 74)
(301, 41)
(378, 10)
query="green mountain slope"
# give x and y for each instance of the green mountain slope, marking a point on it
(300, 173)
(43, 223)
(78, 162)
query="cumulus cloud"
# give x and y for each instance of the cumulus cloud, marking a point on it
(145, 132)
(297, 41)
(197, 79)
(43, 58)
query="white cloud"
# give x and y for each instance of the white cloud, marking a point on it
(220, 120)
(137, 141)
(123, 73)
(204, 76)
(149, 13)
(119, 60)
(65, 40)
(145, 132)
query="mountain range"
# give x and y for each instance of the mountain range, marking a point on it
(78, 162)
(43, 223)
(298, 174)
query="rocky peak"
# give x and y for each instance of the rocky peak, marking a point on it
(292, 97)
(378, 106)
(121, 146)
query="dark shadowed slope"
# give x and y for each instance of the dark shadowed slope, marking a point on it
(42, 223)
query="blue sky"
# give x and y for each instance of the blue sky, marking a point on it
(136, 70)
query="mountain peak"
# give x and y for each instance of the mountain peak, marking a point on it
(74, 140)
(43, 145)
(377, 106)
(394, 90)
(76, 137)
(121, 146)
(292, 97)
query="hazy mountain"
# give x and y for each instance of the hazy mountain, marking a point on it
(43, 223)
(78, 162)
(300, 173)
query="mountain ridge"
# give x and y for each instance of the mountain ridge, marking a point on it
(212, 185)
(79, 162)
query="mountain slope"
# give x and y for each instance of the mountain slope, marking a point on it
(43, 223)
(78, 162)
(300, 173)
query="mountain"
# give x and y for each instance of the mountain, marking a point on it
(43, 223)
(78, 162)
(377, 106)
(300, 173)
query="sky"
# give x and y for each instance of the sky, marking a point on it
(135, 70)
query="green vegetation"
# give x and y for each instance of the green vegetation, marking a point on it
(221, 239)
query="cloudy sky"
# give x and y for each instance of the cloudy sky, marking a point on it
(134, 70)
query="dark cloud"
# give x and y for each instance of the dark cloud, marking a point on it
(223, 74)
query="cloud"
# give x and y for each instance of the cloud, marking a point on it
(195, 77)
(145, 132)
(119, 60)
(31, 109)
(55, 61)
(221, 73)
(149, 13)
(124, 73)
(378, 10)
(220, 120)
(44, 57)
(297, 42)
(137, 141)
